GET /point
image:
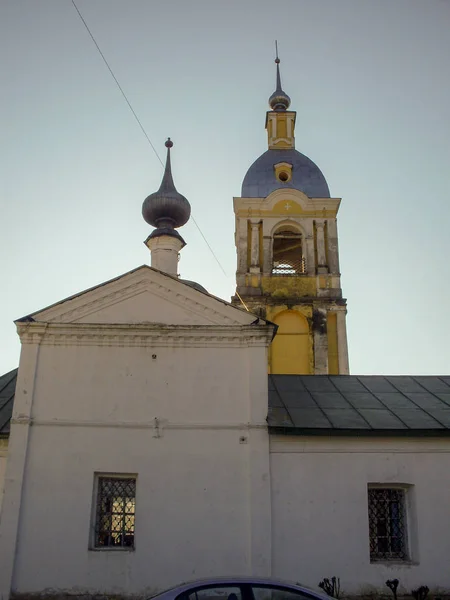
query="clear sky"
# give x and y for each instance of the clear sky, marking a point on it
(369, 81)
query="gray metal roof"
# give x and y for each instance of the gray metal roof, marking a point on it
(363, 405)
(260, 179)
(7, 389)
(195, 285)
(334, 404)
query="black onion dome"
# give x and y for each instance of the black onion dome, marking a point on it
(166, 208)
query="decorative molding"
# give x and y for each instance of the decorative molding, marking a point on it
(160, 424)
(307, 204)
(144, 335)
(351, 445)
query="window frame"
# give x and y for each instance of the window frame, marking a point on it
(93, 536)
(376, 558)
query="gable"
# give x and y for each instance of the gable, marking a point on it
(144, 295)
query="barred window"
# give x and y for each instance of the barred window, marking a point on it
(115, 511)
(387, 524)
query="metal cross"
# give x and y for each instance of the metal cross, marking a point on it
(287, 206)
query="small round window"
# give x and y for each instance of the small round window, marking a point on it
(283, 176)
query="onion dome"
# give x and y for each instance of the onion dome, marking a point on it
(279, 100)
(166, 209)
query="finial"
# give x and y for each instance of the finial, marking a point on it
(279, 100)
(277, 60)
(168, 143)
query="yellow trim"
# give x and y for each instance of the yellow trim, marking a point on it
(333, 356)
(249, 244)
(261, 248)
(279, 210)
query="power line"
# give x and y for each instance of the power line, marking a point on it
(206, 242)
(139, 123)
(118, 84)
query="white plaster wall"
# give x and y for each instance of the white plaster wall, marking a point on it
(202, 491)
(3, 457)
(126, 384)
(320, 517)
(192, 508)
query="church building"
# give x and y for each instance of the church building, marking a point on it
(154, 433)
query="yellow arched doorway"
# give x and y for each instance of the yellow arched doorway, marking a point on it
(289, 352)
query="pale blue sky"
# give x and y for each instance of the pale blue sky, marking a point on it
(369, 80)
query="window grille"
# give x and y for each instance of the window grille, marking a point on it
(387, 524)
(115, 511)
(288, 256)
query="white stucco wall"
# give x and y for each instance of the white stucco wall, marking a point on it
(320, 516)
(3, 457)
(192, 505)
(202, 468)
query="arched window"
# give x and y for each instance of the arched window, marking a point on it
(288, 256)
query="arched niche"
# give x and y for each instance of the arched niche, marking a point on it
(290, 349)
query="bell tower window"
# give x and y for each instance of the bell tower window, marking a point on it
(288, 256)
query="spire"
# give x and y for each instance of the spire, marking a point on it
(279, 100)
(277, 62)
(167, 184)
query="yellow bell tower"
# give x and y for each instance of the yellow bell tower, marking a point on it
(287, 251)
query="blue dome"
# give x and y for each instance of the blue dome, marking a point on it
(260, 179)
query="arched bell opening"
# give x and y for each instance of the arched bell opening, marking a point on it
(287, 252)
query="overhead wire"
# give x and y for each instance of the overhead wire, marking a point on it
(117, 82)
(143, 130)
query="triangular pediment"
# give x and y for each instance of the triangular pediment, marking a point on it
(144, 295)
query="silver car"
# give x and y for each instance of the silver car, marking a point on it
(239, 588)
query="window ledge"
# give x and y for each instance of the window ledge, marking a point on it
(111, 549)
(394, 562)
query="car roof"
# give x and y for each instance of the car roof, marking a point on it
(182, 587)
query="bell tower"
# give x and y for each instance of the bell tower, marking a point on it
(287, 251)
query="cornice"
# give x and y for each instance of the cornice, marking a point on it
(144, 335)
(356, 445)
(155, 424)
(308, 205)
